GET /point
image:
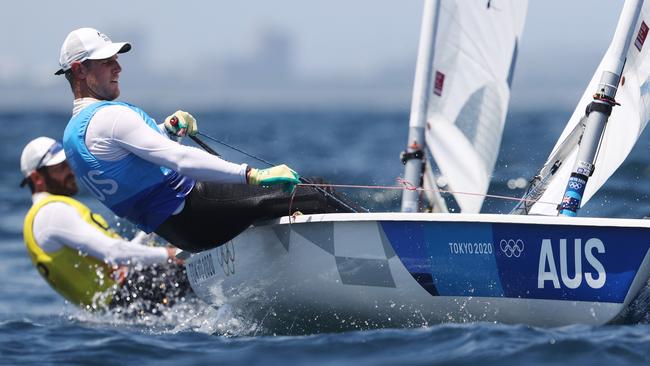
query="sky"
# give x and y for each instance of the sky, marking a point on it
(333, 53)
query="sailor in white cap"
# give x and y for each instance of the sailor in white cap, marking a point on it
(138, 169)
(35, 162)
(72, 247)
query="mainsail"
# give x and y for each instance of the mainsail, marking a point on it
(624, 126)
(473, 60)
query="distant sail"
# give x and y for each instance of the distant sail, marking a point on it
(622, 131)
(475, 55)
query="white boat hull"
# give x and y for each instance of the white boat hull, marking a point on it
(359, 271)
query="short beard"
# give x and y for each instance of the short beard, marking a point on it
(54, 187)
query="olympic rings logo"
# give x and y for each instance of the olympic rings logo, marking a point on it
(512, 248)
(575, 185)
(226, 258)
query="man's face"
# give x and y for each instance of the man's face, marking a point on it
(102, 78)
(59, 179)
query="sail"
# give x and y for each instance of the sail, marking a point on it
(473, 64)
(625, 124)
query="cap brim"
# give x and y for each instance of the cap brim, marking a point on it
(110, 50)
(58, 158)
(106, 52)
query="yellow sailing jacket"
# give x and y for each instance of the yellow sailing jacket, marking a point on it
(81, 279)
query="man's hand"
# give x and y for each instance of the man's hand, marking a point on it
(280, 174)
(180, 124)
(171, 256)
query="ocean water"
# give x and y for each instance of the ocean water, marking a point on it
(352, 147)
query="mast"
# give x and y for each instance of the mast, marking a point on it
(413, 157)
(600, 109)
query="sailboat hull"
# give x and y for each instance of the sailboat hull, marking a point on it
(358, 271)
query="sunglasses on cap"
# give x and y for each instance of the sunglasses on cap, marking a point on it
(49, 154)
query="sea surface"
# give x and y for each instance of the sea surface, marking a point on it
(350, 147)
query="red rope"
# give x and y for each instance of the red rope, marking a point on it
(406, 184)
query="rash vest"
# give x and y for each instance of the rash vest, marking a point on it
(81, 279)
(140, 191)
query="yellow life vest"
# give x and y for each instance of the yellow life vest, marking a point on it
(81, 279)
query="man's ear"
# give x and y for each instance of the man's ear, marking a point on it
(78, 70)
(38, 180)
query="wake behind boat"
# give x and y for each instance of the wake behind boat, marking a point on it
(360, 271)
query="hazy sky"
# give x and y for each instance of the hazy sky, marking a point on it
(563, 39)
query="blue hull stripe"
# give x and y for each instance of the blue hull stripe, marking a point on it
(520, 260)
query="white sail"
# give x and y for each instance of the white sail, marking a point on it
(625, 124)
(475, 54)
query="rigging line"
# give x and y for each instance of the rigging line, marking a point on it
(210, 150)
(234, 148)
(409, 187)
(406, 185)
(205, 146)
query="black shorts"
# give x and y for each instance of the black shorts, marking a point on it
(215, 213)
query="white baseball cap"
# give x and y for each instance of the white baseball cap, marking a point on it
(40, 152)
(88, 44)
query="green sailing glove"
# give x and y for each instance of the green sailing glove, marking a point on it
(280, 174)
(180, 124)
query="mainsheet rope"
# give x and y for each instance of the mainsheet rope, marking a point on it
(405, 185)
(408, 186)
